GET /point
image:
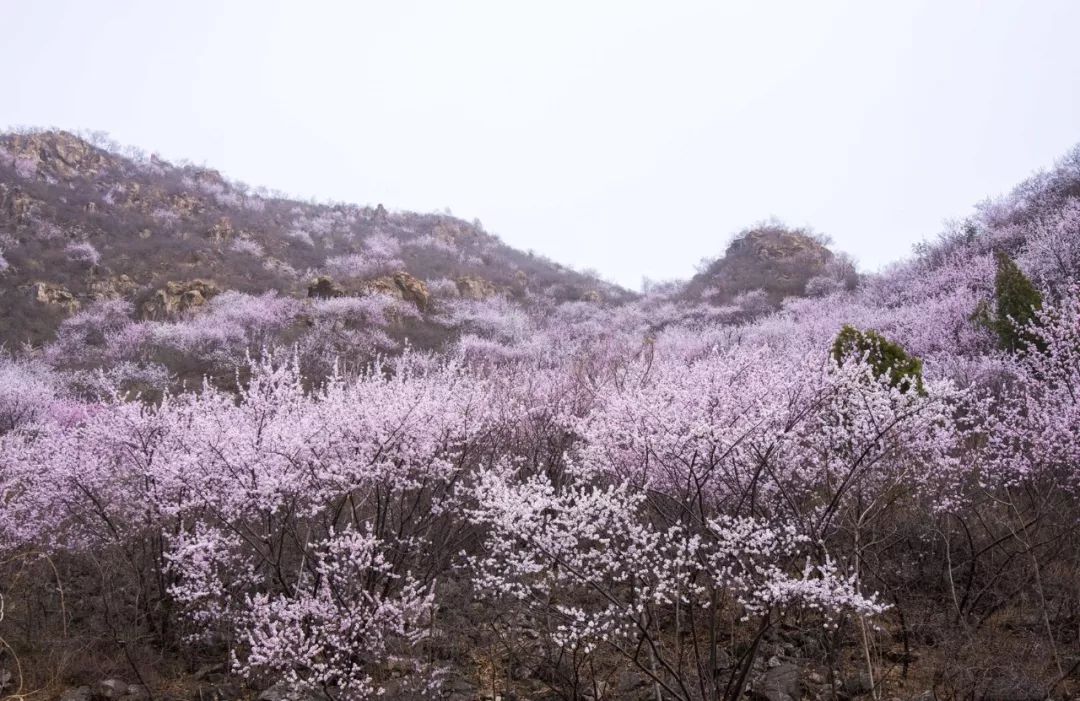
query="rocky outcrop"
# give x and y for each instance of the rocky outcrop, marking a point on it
(777, 260)
(221, 231)
(401, 285)
(477, 288)
(128, 195)
(177, 297)
(15, 204)
(777, 244)
(324, 287)
(521, 284)
(111, 288)
(412, 290)
(59, 154)
(380, 286)
(184, 204)
(453, 232)
(55, 295)
(155, 221)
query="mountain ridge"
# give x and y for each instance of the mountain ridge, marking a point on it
(80, 224)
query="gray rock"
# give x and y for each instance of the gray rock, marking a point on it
(136, 692)
(218, 692)
(283, 691)
(856, 686)
(81, 693)
(781, 683)
(209, 671)
(112, 688)
(458, 689)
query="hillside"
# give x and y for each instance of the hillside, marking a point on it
(79, 224)
(285, 459)
(779, 261)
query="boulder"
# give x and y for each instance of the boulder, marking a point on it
(55, 295)
(177, 297)
(111, 288)
(136, 692)
(401, 285)
(81, 693)
(212, 672)
(476, 288)
(324, 287)
(412, 290)
(384, 285)
(855, 686)
(112, 688)
(781, 683)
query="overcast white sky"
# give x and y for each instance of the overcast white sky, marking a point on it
(633, 138)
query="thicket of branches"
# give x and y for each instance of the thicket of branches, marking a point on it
(570, 500)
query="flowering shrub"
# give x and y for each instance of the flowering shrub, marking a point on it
(653, 497)
(606, 571)
(247, 247)
(27, 393)
(82, 252)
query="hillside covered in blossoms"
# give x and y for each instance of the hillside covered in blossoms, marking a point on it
(252, 447)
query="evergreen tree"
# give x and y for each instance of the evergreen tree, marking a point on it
(884, 357)
(1017, 301)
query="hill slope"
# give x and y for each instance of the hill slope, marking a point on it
(80, 223)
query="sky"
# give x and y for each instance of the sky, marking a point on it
(629, 138)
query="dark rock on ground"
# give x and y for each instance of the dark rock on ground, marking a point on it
(112, 688)
(284, 691)
(81, 693)
(856, 686)
(781, 683)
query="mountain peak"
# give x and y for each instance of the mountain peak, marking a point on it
(773, 258)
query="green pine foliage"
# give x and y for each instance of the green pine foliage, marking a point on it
(1017, 302)
(884, 357)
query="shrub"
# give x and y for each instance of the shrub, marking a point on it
(1017, 302)
(883, 356)
(83, 253)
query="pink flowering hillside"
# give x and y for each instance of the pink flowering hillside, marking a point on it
(258, 448)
